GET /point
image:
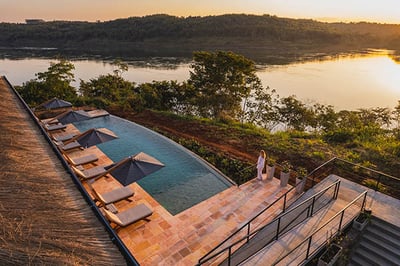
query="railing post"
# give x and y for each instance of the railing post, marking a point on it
(277, 230)
(378, 182)
(341, 221)
(364, 201)
(334, 165)
(284, 203)
(312, 206)
(313, 180)
(248, 233)
(337, 186)
(229, 256)
(308, 247)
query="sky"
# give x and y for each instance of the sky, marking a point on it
(381, 11)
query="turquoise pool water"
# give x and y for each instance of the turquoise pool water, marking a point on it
(184, 181)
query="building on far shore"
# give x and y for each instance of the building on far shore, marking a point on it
(34, 21)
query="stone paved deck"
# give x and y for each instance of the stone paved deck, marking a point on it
(184, 238)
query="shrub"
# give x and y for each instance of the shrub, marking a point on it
(342, 136)
(286, 166)
(372, 183)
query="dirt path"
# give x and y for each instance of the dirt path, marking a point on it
(207, 135)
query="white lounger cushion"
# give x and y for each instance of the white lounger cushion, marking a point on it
(83, 160)
(54, 127)
(129, 216)
(114, 195)
(68, 146)
(89, 173)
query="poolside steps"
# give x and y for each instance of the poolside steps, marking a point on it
(278, 249)
(379, 244)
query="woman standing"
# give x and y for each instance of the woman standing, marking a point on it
(260, 164)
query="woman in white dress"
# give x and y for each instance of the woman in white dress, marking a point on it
(260, 164)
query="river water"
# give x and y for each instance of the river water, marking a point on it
(346, 82)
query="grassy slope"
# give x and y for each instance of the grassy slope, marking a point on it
(241, 142)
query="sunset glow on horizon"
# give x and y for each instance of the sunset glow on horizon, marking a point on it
(384, 11)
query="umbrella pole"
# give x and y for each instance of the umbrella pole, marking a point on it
(79, 135)
(56, 117)
(113, 168)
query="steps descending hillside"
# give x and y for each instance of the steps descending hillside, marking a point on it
(278, 249)
(378, 245)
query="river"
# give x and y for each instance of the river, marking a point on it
(346, 82)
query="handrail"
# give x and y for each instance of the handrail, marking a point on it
(322, 165)
(309, 238)
(130, 259)
(367, 168)
(249, 235)
(244, 180)
(334, 159)
(247, 224)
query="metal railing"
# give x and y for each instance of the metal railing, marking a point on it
(313, 244)
(247, 174)
(247, 227)
(369, 177)
(276, 227)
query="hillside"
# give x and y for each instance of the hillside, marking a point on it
(238, 143)
(257, 37)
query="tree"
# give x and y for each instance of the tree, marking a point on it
(325, 117)
(55, 82)
(110, 87)
(261, 108)
(294, 114)
(120, 67)
(222, 80)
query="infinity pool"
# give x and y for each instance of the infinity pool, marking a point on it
(184, 181)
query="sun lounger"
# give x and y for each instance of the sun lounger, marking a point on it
(54, 127)
(129, 216)
(87, 174)
(64, 137)
(123, 193)
(50, 121)
(83, 160)
(68, 146)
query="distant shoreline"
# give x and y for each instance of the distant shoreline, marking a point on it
(17, 53)
(263, 39)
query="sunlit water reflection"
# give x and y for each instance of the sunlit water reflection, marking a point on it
(349, 82)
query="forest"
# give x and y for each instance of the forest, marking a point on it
(260, 38)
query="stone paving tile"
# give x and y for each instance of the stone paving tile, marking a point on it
(184, 238)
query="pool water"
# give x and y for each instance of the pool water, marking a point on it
(184, 181)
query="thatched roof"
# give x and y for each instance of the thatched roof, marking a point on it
(44, 218)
